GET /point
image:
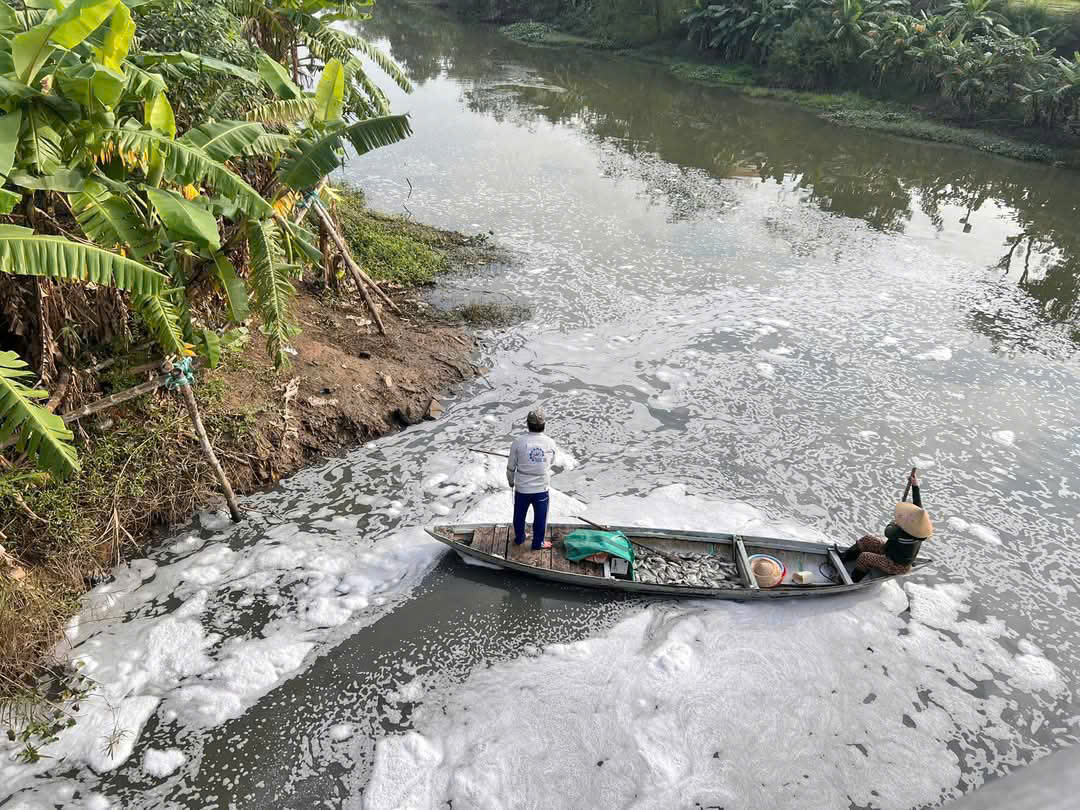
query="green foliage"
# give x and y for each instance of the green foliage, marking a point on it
(384, 247)
(314, 159)
(963, 51)
(23, 252)
(42, 435)
(273, 288)
(527, 31)
(154, 193)
(303, 37)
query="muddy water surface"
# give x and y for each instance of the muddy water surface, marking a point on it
(742, 317)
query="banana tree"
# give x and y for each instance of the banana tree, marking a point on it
(89, 149)
(317, 147)
(302, 34)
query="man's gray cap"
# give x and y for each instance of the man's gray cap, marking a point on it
(535, 417)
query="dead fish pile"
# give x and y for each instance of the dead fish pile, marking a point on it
(695, 570)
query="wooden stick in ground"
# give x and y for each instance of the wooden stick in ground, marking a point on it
(324, 216)
(357, 275)
(208, 450)
(115, 399)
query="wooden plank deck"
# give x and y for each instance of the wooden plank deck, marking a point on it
(498, 545)
(483, 539)
(524, 553)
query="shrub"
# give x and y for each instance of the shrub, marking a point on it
(805, 56)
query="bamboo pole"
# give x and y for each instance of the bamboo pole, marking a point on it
(357, 274)
(324, 215)
(207, 448)
(115, 399)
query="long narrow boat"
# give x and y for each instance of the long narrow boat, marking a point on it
(668, 562)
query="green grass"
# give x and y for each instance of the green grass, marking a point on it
(855, 110)
(388, 248)
(527, 31)
(717, 75)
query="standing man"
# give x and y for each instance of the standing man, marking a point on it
(528, 471)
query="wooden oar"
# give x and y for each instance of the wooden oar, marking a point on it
(656, 551)
(907, 489)
(489, 452)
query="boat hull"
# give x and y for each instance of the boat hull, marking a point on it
(460, 538)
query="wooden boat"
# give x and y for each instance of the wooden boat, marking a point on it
(492, 544)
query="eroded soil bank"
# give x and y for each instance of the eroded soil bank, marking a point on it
(142, 467)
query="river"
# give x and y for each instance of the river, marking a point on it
(742, 318)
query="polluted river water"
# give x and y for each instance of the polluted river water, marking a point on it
(742, 318)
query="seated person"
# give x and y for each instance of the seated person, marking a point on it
(894, 553)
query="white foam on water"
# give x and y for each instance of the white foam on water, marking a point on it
(1005, 437)
(976, 530)
(735, 705)
(341, 731)
(163, 763)
(766, 370)
(940, 354)
(145, 659)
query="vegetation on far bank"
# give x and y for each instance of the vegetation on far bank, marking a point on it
(962, 75)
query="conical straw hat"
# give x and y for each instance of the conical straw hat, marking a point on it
(914, 520)
(767, 571)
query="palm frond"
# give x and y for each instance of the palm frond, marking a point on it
(42, 434)
(23, 252)
(272, 287)
(313, 160)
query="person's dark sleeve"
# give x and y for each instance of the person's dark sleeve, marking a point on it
(915, 497)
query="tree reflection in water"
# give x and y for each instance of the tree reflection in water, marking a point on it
(642, 111)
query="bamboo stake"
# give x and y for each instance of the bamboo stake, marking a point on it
(207, 448)
(324, 215)
(115, 399)
(357, 275)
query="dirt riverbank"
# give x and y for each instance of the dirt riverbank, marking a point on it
(142, 470)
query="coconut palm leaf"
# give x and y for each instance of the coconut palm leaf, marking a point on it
(285, 111)
(272, 287)
(162, 318)
(222, 140)
(313, 160)
(23, 252)
(42, 434)
(188, 164)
